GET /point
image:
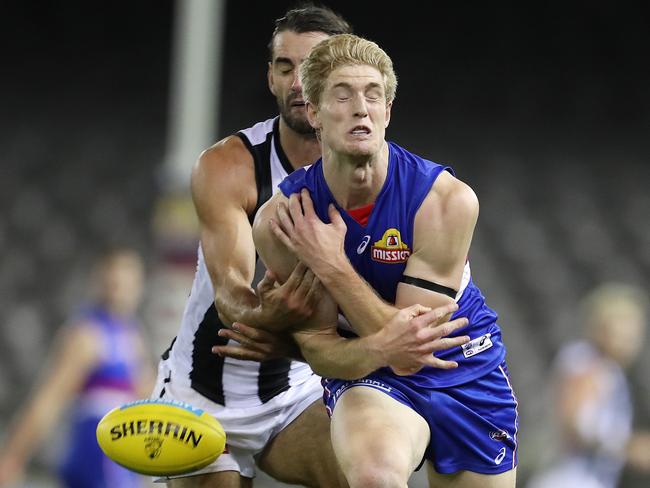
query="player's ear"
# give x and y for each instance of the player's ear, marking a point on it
(269, 77)
(313, 115)
(389, 106)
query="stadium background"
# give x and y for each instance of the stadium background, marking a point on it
(544, 110)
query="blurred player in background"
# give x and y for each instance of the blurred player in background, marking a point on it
(593, 406)
(271, 411)
(98, 363)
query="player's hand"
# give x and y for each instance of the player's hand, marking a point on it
(415, 333)
(315, 243)
(256, 344)
(289, 303)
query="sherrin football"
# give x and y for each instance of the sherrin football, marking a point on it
(160, 437)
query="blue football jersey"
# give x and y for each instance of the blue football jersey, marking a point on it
(380, 250)
(111, 383)
(118, 366)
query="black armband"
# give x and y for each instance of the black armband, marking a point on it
(429, 285)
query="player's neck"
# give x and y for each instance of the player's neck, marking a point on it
(300, 149)
(355, 182)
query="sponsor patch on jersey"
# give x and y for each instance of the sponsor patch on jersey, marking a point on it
(390, 248)
(475, 346)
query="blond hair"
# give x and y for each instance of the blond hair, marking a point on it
(611, 299)
(344, 50)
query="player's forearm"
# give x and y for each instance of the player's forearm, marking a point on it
(242, 305)
(335, 357)
(237, 303)
(35, 424)
(363, 308)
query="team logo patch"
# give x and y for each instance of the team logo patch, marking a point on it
(390, 249)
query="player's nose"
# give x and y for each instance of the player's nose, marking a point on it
(360, 107)
(296, 85)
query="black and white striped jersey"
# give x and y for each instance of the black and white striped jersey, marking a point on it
(226, 381)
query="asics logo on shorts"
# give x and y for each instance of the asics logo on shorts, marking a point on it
(500, 456)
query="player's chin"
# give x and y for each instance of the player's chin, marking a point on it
(362, 149)
(298, 122)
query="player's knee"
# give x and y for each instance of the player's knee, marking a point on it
(376, 474)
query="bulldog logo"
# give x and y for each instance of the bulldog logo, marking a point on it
(390, 248)
(153, 446)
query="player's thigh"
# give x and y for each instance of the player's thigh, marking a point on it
(469, 479)
(370, 428)
(223, 479)
(302, 452)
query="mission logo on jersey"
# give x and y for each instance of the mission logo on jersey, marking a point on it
(390, 249)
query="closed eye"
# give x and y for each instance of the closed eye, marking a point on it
(374, 95)
(284, 65)
(342, 93)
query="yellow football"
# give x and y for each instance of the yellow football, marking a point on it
(160, 437)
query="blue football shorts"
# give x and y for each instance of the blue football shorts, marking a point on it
(86, 466)
(473, 425)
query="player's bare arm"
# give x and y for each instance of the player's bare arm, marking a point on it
(76, 352)
(224, 194)
(443, 230)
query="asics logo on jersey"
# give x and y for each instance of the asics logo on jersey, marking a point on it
(363, 245)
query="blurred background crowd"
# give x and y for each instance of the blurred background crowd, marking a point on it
(544, 110)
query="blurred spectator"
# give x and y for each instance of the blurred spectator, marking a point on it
(593, 406)
(97, 363)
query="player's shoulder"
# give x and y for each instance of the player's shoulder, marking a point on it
(447, 189)
(575, 358)
(452, 199)
(85, 336)
(225, 155)
(226, 169)
(260, 132)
